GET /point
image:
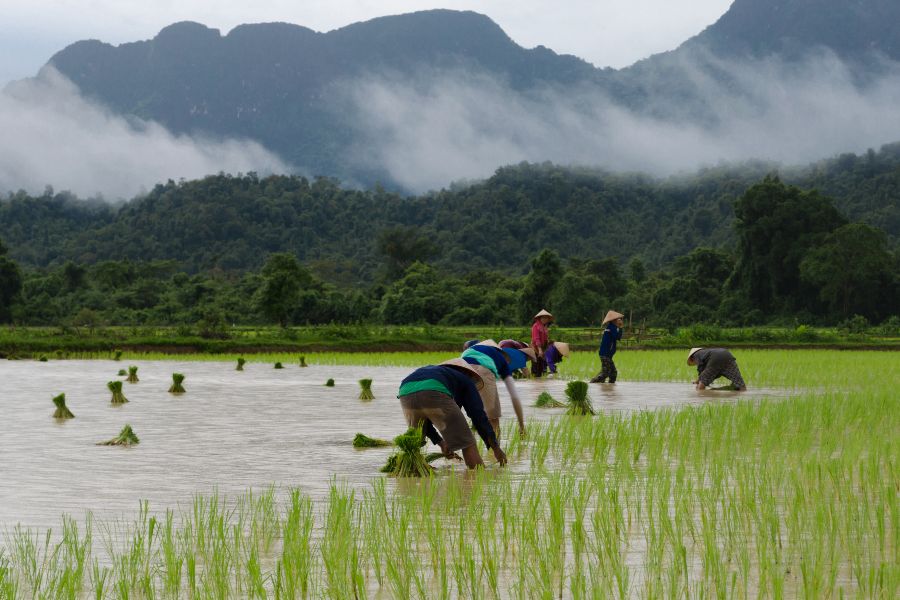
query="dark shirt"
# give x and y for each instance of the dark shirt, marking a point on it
(495, 355)
(611, 335)
(714, 359)
(465, 394)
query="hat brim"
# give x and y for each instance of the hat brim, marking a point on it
(465, 368)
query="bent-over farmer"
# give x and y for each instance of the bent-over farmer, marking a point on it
(434, 398)
(493, 362)
(713, 363)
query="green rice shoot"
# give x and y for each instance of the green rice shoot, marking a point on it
(118, 355)
(545, 400)
(177, 380)
(62, 411)
(579, 402)
(303, 361)
(240, 363)
(278, 365)
(409, 461)
(117, 396)
(329, 383)
(132, 374)
(365, 392)
(43, 358)
(122, 373)
(361, 440)
(125, 438)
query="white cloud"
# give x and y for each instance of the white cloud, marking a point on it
(52, 135)
(448, 126)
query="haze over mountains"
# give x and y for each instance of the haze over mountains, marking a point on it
(417, 101)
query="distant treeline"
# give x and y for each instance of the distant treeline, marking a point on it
(795, 260)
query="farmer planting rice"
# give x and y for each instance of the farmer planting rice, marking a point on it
(492, 362)
(613, 333)
(713, 363)
(556, 352)
(526, 350)
(540, 338)
(434, 398)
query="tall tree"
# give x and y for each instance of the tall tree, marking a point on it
(546, 271)
(283, 281)
(10, 284)
(776, 225)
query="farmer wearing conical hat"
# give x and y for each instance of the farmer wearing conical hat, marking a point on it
(493, 363)
(540, 339)
(613, 333)
(556, 352)
(713, 363)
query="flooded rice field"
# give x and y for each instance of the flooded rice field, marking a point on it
(231, 431)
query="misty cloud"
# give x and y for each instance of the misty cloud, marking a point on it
(445, 126)
(52, 135)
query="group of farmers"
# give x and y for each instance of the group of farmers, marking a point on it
(436, 396)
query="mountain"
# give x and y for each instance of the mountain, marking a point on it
(286, 86)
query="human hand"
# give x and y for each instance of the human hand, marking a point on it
(500, 456)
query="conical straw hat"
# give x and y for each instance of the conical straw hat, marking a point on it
(461, 365)
(612, 316)
(543, 313)
(563, 348)
(489, 343)
(529, 352)
(692, 352)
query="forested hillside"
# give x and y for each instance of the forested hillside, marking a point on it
(231, 223)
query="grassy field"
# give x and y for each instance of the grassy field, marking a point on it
(797, 497)
(28, 342)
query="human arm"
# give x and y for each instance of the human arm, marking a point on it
(469, 400)
(516, 402)
(432, 434)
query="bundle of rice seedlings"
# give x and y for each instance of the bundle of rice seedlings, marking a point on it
(62, 411)
(366, 389)
(117, 396)
(579, 403)
(303, 361)
(43, 358)
(329, 383)
(118, 355)
(278, 365)
(240, 364)
(122, 373)
(59, 354)
(545, 400)
(363, 441)
(132, 375)
(125, 438)
(177, 388)
(409, 461)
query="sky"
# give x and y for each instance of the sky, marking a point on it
(612, 33)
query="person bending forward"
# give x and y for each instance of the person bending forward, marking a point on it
(713, 363)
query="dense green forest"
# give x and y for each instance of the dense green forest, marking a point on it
(775, 254)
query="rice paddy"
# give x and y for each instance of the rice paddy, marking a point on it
(665, 492)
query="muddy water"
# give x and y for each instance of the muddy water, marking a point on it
(231, 431)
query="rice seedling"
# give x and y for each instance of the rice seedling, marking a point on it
(122, 373)
(176, 387)
(125, 438)
(241, 361)
(117, 355)
(545, 400)
(117, 396)
(132, 374)
(579, 402)
(43, 358)
(363, 441)
(329, 383)
(62, 411)
(365, 392)
(409, 461)
(278, 365)
(303, 361)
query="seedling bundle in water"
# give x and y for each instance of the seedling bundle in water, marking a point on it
(329, 383)
(118, 355)
(117, 396)
(363, 441)
(579, 403)
(125, 438)
(177, 388)
(366, 389)
(43, 358)
(122, 373)
(132, 375)
(278, 365)
(409, 461)
(240, 364)
(545, 400)
(62, 411)
(303, 361)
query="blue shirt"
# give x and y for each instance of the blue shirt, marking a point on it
(500, 366)
(611, 335)
(464, 393)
